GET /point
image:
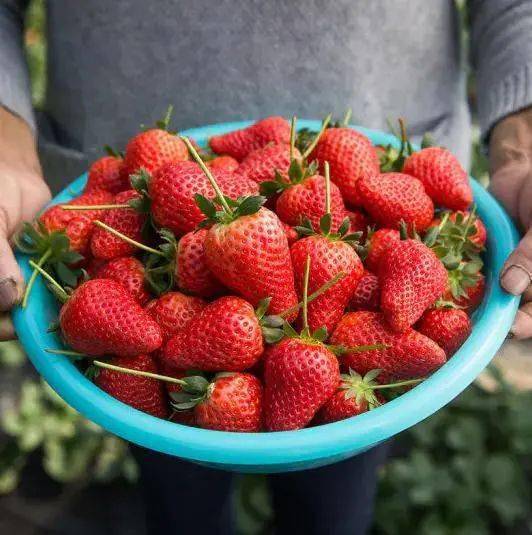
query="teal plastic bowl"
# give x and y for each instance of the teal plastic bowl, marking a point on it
(289, 450)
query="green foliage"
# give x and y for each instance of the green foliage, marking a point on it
(467, 469)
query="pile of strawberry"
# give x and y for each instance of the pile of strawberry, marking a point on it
(274, 281)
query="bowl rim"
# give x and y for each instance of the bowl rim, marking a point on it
(288, 447)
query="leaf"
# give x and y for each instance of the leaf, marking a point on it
(196, 384)
(250, 205)
(320, 334)
(344, 227)
(66, 275)
(295, 171)
(205, 205)
(269, 188)
(272, 335)
(262, 307)
(289, 330)
(325, 223)
(272, 321)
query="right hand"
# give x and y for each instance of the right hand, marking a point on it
(24, 193)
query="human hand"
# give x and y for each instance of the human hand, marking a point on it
(23, 193)
(511, 182)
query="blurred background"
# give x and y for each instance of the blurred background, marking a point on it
(466, 470)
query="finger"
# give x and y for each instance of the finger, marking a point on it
(7, 331)
(516, 274)
(522, 327)
(11, 281)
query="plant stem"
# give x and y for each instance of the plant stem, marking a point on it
(292, 136)
(127, 238)
(33, 277)
(50, 279)
(139, 373)
(311, 147)
(208, 174)
(396, 385)
(67, 352)
(314, 295)
(347, 117)
(305, 294)
(342, 350)
(327, 188)
(93, 207)
(168, 116)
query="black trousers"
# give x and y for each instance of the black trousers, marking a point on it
(184, 498)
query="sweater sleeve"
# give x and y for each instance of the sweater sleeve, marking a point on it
(501, 55)
(15, 94)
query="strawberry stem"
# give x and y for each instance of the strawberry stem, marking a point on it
(127, 239)
(311, 147)
(33, 277)
(292, 136)
(221, 199)
(342, 350)
(93, 207)
(50, 279)
(305, 295)
(139, 373)
(314, 295)
(399, 384)
(327, 188)
(347, 117)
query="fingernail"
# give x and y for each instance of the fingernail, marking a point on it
(515, 280)
(8, 294)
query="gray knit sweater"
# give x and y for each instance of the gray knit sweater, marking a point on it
(114, 64)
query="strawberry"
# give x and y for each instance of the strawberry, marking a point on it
(78, 228)
(153, 148)
(444, 179)
(412, 278)
(240, 143)
(127, 221)
(231, 402)
(225, 162)
(300, 375)
(408, 354)
(448, 327)
(174, 311)
(351, 157)
(172, 189)
(225, 336)
(377, 244)
(354, 396)
(359, 221)
(142, 393)
(101, 317)
(129, 272)
(330, 255)
(106, 174)
(367, 294)
(192, 274)
(247, 249)
(262, 164)
(306, 200)
(390, 198)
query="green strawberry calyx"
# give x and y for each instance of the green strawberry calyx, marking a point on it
(362, 388)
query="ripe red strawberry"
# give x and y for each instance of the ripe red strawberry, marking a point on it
(172, 189)
(225, 336)
(408, 355)
(291, 233)
(106, 174)
(351, 157)
(261, 164)
(240, 143)
(142, 393)
(174, 311)
(128, 221)
(329, 256)
(77, 227)
(354, 396)
(412, 278)
(129, 272)
(250, 255)
(101, 317)
(473, 294)
(192, 274)
(367, 294)
(225, 162)
(390, 198)
(377, 244)
(448, 327)
(300, 376)
(445, 180)
(150, 150)
(306, 200)
(233, 402)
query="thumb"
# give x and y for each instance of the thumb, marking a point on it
(516, 275)
(11, 281)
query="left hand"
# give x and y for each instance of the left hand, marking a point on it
(510, 154)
